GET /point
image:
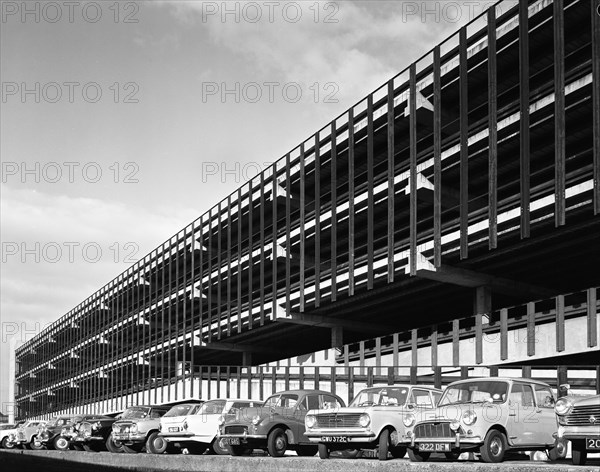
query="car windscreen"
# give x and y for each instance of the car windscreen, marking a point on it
(213, 407)
(135, 412)
(182, 410)
(381, 396)
(475, 392)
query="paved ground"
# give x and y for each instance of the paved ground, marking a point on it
(55, 461)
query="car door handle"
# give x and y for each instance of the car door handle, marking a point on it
(512, 414)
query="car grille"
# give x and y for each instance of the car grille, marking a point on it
(434, 430)
(21, 435)
(580, 416)
(338, 420)
(85, 429)
(236, 430)
(123, 428)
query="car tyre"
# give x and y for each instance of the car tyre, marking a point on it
(60, 443)
(323, 451)
(417, 456)
(384, 445)
(111, 446)
(494, 446)
(36, 445)
(307, 451)
(6, 444)
(156, 444)
(277, 442)
(452, 456)
(219, 448)
(578, 452)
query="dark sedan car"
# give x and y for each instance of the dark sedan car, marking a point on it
(278, 425)
(51, 434)
(93, 433)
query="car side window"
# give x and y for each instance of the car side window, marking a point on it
(521, 395)
(436, 397)
(544, 397)
(420, 398)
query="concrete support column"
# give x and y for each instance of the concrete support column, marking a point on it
(246, 358)
(482, 306)
(337, 336)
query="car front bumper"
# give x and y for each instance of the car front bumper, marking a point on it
(578, 432)
(457, 442)
(330, 435)
(128, 437)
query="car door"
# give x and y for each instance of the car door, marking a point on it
(309, 402)
(521, 424)
(545, 416)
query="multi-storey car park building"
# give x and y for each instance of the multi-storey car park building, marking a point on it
(460, 199)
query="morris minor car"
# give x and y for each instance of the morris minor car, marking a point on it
(278, 425)
(51, 435)
(199, 430)
(373, 420)
(579, 422)
(26, 435)
(487, 416)
(138, 428)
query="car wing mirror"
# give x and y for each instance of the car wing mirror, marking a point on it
(411, 406)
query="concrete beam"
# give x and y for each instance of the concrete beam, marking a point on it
(322, 321)
(473, 279)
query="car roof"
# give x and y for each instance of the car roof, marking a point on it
(300, 392)
(403, 386)
(502, 379)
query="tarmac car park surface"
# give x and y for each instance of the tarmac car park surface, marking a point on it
(59, 461)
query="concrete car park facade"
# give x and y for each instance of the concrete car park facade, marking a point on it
(443, 228)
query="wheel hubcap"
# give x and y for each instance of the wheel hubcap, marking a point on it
(61, 443)
(159, 443)
(496, 447)
(280, 443)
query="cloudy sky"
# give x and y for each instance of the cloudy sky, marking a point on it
(123, 122)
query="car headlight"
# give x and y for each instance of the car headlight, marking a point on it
(96, 425)
(563, 406)
(220, 420)
(256, 420)
(469, 417)
(310, 421)
(134, 428)
(185, 425)
(409, 420)
(364, 420)
(115, 428)
(454, 425)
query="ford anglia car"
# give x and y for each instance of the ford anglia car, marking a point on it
(374, 420)
(278, 425)
(579, 422)
(138, 427)
(488, 416)
(197, 431)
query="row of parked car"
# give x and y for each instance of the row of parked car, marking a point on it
(488, 417)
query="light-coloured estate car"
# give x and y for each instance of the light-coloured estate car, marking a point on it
(579, 422)
(197, 431)
(138, 428)
(374, 420)
(488, 416)
(26, 435)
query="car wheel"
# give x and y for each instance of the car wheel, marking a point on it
(277, 442)
(219, 448)
(494, 446)
(323, 451)
(398, 452)
(6, 444)
(156, 444)
(558, 451)
(307, 451)
(418, 456)
(60, 443)
(384, 445)
(111, 446)
(35, 444)
(452, 456)
(578, 452)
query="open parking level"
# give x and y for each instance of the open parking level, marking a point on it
(51, 461)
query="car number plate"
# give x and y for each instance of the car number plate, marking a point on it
(434, 447)
(174, 429)
(592, 444)
(230, 441)
(335, 439)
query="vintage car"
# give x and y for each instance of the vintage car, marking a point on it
(176, 415)
(138, 427)
(93, 433)
(26, 435)
(579, 422)
(199, 429)
(5, 431)
(374, 420)
(278, 425)
(50, 434)
(488, 416)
